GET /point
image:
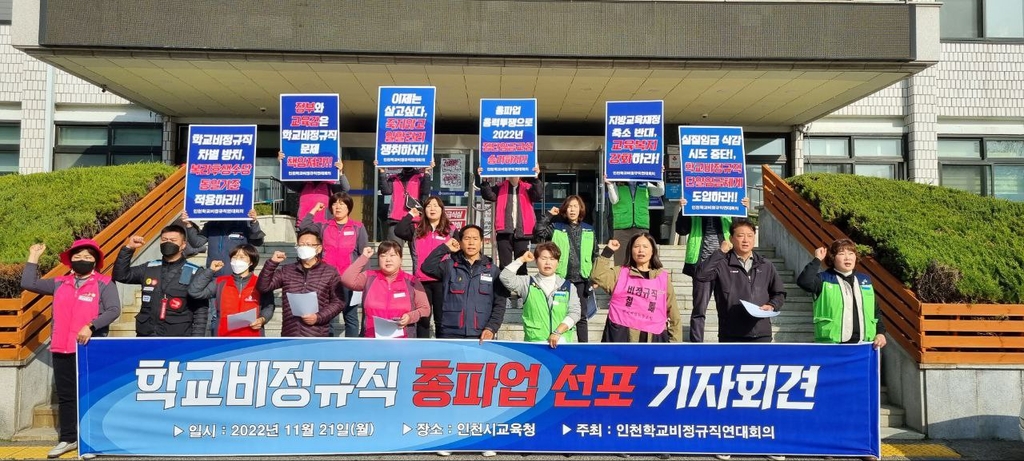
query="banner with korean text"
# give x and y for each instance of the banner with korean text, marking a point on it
(405, 126)
(276, 396)
(310, 137)
(714, 176)
(634, 140)
(508, 137)
(221, 172)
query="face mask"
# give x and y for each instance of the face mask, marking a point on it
(239, 266)
(83, 267)
(169, 248)
(305, 252)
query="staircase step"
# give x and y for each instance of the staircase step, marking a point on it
(44, 416)
(892, 416)
(890, 434)
(36, 434)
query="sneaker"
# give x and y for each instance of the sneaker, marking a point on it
(664, 456)
(723, 457)
(88, 455)
(777, 457)
(444, 453)
(61, 448)
(488, 454)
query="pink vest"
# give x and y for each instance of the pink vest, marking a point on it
(425, 245)
(388, 300)
(525, 207)
(398, 194)
(314, 192)
(74, 309)
(640, 303)
(340, 244)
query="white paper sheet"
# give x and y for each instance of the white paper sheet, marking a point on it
(303, 304)
(357, 298)
(242, 319)
(755, 311)
(384, 328)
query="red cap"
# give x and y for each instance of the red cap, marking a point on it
(80, 244)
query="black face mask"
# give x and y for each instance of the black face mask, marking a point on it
(169, 248)
(83, 267)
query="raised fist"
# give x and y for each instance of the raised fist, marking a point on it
(820, 253)
(614, 245)
(725, 246)
(453, 245)
(216, 266)
(318, 208)
(367, 252)
(35, 251)
(278, 256)
(134, 242)
(553, 211)
(527, 257)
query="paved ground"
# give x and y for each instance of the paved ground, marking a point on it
(919, 450)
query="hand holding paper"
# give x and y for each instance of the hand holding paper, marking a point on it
(384, 328)
(303, 304)
(755, 311)
(241, 320)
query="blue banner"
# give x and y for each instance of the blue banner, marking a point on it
(714, 177)
(508, 137)
(310, 137)
(405, 126)
(221, 172)
(277, 396)
(634, 140)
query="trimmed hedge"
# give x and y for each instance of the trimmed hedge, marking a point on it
(922, 233)
(57, 208)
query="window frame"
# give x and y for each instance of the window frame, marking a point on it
(981, 38)
(109, 151)
(899, 163)
(15, 149)
(987, 163)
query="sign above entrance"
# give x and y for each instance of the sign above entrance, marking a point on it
(634, 140)
(310, 137)
(405, 126)
(508, 137)
(221, 170)
(714, 177)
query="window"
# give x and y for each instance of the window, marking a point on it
(990, 167)
(982, 19)
(10, 142)
(99, 145)
(880, 157)
(762, 150)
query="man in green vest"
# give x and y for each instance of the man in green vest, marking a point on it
(631, 214)
(704, 235)
(551, 306)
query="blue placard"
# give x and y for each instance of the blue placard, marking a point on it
(310, 137)
(221, 172)
(508, 137)
(634, 140)
(714, 173)
(294, 396)
(405, 126)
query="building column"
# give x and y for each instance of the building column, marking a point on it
(36, 153)
(797, 148)
(922, 128)
(170, 139)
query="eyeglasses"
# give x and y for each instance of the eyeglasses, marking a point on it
(307, 245)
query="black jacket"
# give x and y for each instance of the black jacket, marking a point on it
(167, 309)
(762, 285)
(474, 298)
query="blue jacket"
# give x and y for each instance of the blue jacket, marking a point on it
(222, 237)
(474, 298)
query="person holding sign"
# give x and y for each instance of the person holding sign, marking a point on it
(643, 303)
(631, 214)
(342, 239)
(314, 192)
(391, 297)
(514, 218)
(408, 189)
(311, 289)
(844, 300)
(431, 232)
(742, 279)
(551, 307)
(705, 235)
(85, 303)
(222, 237)
(241, 310)
(167, 309)
(574, 238)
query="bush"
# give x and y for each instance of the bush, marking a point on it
(263, 209)
(57, 208)
(910, 226)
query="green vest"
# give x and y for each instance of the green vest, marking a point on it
(828, 310)
(697, 236)
(541, 319)
(632, 212)
(561, 239)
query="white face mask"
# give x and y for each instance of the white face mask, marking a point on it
(305, 252)
(239, 266)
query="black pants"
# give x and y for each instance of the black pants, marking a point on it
(67, 396)
(510, 248)
(744, 339)
(582, 290)
(701, 297)
(435, 296)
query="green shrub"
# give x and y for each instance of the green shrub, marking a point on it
(910, 226)
(57, 208)
(264, 209)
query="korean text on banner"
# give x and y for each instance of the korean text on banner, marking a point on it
(457, 215)
(508, 137)
(405, 126)
(310, 137)
(714, 176)
(271, 396)
(453, 173)
(221, 172)
(634, 140)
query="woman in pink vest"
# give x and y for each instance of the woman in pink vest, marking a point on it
(85, 303)
(408, 189)
(342, 238)
(643, 304)
(389, 293)
(432, 231)
(314, 192)
(514, 217)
